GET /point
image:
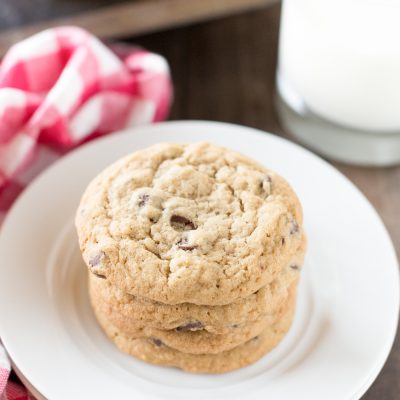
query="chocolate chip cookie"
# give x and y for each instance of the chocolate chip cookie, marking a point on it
(193, 223)
(120, 306)
(155, 351)
(193, 339)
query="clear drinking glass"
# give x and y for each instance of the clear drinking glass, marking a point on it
(338, 77)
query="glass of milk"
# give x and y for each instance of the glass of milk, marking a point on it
(338, 78)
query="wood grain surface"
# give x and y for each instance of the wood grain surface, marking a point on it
(224, 70)
(110, 19)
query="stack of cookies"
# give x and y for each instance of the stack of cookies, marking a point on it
(194, 254)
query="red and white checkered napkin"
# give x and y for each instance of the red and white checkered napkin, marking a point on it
(62, 87)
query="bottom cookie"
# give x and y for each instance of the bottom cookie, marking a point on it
(155, 351)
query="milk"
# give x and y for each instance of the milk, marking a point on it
(342, 57)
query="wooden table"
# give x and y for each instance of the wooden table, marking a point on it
(224, 70)
(110, 18)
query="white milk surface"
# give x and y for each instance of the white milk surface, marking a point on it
(343, 58)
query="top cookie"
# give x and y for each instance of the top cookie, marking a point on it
(190, 223)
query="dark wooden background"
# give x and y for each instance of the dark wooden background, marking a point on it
(224, 70)
(110, 18)
(16, 13)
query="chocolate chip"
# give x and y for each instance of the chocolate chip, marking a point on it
(235, 325)
(157, 342)
(99, 275)
(190, 326)
(95, 260)
(255, 338)
(187, 248)
(183, 244)
(182, 223)
(143, 199)
(294, 227)
(295, 267)
(283, 241)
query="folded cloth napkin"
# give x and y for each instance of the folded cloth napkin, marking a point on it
(62, 87)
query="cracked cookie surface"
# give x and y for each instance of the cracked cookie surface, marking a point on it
(190, 223)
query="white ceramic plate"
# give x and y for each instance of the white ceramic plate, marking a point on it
(346, 316)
